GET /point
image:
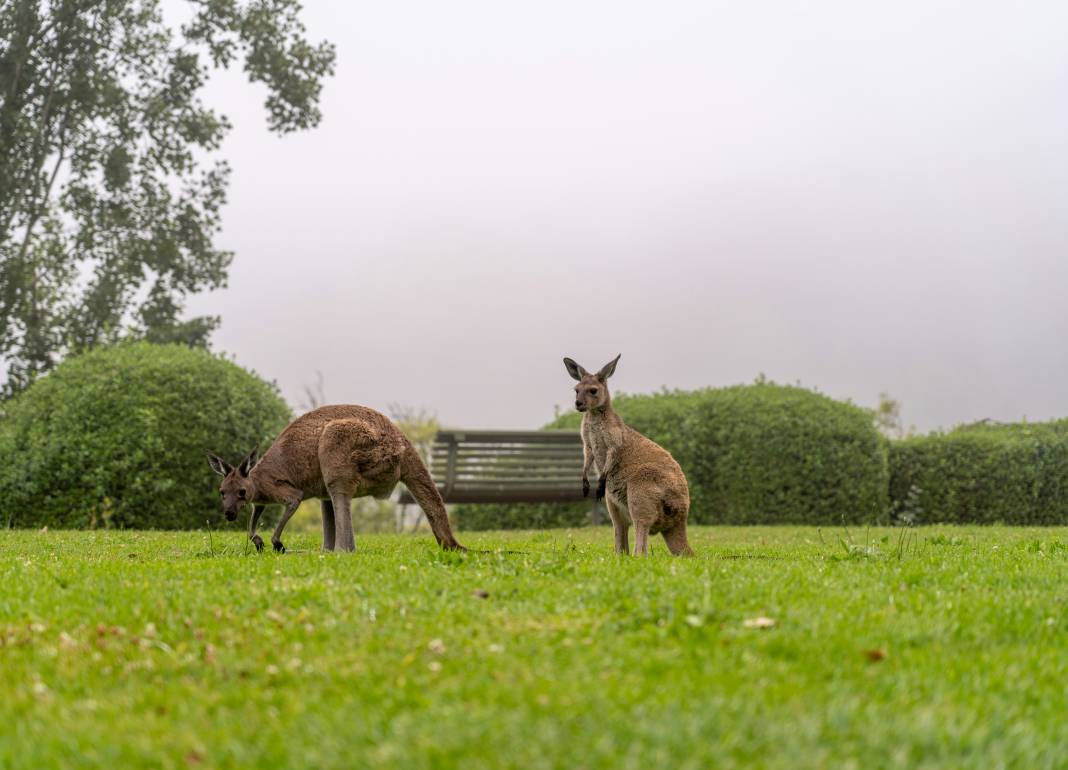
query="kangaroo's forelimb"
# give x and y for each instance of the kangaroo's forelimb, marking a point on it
(253, 522)
(276, 537)
(609, 463)
(587, 466)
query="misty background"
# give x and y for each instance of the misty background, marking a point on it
(856, 197)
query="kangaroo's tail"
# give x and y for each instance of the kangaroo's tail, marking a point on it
(417, 478)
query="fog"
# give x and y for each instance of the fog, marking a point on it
(858, 197)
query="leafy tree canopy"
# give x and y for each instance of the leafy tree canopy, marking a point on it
(110, 188)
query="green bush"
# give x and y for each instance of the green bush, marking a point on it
(753, 454)
(1013, 474)
(116, 438)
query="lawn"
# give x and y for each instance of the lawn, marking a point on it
(935, 647)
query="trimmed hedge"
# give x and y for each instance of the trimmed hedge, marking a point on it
(116, 438)
(1011, 474)
(753, 454)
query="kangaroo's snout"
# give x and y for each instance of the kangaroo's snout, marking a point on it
(231, 516)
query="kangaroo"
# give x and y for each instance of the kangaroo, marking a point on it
(334, 453)
(639, 480)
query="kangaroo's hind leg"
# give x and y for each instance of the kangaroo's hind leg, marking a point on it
(641, 539)
(644, 507)
(620, 525)
(341, 446)
(327, 509)
(344, 540)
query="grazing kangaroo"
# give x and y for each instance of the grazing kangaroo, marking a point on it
(334, 453)
(639, 479)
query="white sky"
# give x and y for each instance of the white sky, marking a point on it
(856, 196)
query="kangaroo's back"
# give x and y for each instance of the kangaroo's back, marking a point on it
(640, 450)
(298, 446)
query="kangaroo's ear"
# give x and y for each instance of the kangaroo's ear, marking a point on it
(576, 371)
(249, 462)
(218, 464)
(608, 369)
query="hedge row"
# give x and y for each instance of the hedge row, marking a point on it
(116, 438)
(986, 473)
(753, 454)
(1012, 474)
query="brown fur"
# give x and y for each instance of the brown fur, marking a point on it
(334, 453)
(639, 479)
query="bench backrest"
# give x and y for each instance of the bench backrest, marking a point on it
(495, 466)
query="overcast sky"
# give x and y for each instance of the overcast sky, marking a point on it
(855, 196)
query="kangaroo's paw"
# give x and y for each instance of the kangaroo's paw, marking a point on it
(585, 487)
(278, 546)
(601, 484)
(258, 542)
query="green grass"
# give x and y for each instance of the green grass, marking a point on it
(948, 648)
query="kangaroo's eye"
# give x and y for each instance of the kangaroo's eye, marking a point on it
(241, 493)
(221, 493)
(593, 391)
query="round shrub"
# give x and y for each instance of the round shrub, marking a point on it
(752, 454)
(116, 438)
(766, 453)
(1007, 473)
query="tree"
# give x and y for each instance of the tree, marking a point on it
(109, 192)
(887, 417)
(314, 395)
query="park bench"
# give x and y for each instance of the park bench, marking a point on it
(497, 466)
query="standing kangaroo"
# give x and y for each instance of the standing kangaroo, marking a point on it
(334, 453)
(639, 479)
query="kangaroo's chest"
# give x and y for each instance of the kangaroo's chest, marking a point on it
(598, 440)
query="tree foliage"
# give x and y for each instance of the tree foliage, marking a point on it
(887, 416)
(110, 190)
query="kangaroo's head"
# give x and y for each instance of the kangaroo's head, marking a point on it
(237, 488)
(591, 393)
